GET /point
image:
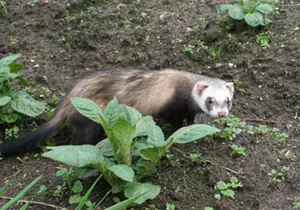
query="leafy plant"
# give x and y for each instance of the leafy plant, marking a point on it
(296, 201)
(226, 189)
(254, 13)
(234, 126)
(11, 100)
(194, 156)
(189, 49)
(237, 150)
(277, 177)
(264, 39)
(134, 147)
(3, 6)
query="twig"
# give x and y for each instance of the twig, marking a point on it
(260, 120)
(104, 197)
(227, 169)
(33, 202)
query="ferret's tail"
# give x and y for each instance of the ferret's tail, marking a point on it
(27, 141)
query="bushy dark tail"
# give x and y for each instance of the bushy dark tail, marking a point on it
(30, 139)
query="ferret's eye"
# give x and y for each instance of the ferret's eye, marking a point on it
(210, 100)
(227, 101)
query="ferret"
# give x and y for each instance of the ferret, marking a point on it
(170, 94)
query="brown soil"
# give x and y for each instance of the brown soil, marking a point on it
(62, 39)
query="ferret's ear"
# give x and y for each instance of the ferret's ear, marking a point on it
(200, 86)
(230, 86)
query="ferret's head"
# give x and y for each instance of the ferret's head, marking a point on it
(214, 99)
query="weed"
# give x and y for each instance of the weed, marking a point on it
(3, 6)
(264, 39)
(189, 49)
(254, 13)
(13, 42)
(208, 208)
(12, 101)
(277, 177)
(227, 189)
(170, 206)
(237, 150)
(12, 132)
(113, 157)
(234, 126)
(194, 156)
(237, 84)
(295, 202)
(126, 24)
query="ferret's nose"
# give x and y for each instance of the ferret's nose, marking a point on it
(222, 114)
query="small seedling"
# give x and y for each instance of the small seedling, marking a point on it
(32, 2)
(3, 6)
(295, 202)
(237, 150)
(170, 206)
(234, 126)
(189, 49)
(264, 39)
(194, 156)
(227, 189)
(12, 132)
(208, 208)
(277, 177)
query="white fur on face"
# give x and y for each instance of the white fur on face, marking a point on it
(218, 94)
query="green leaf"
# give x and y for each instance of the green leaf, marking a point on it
(76, 156)
(9, 59)
(121, 141)
(77, 187)
(112, 111)
(21, 194)
(89, 109)
(224, 7)
(124, 204)
(192, 133)
(236, 12)
(254, 19)
(222, 185)
(134, 189)
(22, 102)
(3, 189)
(15, 67)
(264, 8)
(133, 115)
(4, 100)
(87, 194)
(75, 199)
(147, 127)
(228, 193)
(124, 172)
(105, 148)
(152, 154)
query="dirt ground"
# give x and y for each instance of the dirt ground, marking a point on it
(62, 39)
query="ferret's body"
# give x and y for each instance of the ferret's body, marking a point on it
(170, 94)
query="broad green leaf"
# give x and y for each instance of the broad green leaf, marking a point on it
(266, 21)
(264, 8)
(89, 109)
(124, 204)
(22, 102)
(4, 100)
(147, 127)
(134, 189)
(121, 141)
(9, 59)
(254, 19)
(224, 7)
(112, 111)
(21, 194)
(131, 114)
(15, 67)
(76, 156)
(152, 154)
(105, 148)
(222, 185)
(124, 172)
(192, 133)
(236, 12)
(228, 193)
